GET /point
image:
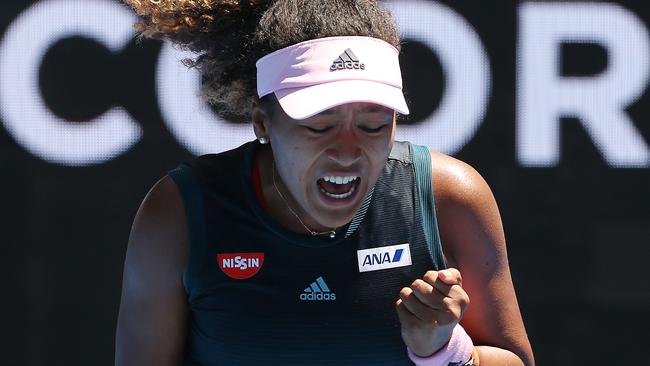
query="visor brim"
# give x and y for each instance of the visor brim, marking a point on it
(301, 103)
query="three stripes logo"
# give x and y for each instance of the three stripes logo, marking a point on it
(347, 60)
(318, 291)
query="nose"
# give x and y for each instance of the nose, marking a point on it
(346, 149)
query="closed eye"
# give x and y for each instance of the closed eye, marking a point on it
(318, 130)
(373, 130)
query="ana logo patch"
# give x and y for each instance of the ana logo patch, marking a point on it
(392, 256)
(240, 266)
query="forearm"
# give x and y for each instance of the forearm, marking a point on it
(493, 356)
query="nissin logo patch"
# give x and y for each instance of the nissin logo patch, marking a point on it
(392, 256)
(240, 266)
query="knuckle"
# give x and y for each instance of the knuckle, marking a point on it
(448, 303)
(430, 276)
(417, 284)
(454, 273)
(459, 292)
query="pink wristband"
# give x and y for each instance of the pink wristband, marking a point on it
(458, 350)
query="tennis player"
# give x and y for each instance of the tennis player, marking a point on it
(323, 241)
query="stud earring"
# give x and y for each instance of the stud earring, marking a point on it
(263, 140)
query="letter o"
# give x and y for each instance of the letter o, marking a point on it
(466, 67)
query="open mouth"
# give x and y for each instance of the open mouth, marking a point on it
(338, 187)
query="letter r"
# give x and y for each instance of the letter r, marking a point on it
(599, 102)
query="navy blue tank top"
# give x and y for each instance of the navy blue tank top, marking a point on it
(262, 295)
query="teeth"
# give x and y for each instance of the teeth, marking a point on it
(338, 196)
(340, 180)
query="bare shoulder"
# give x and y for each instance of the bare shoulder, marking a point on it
(456, 182)
(152, 322)
(473, 241)
(159, 228)
(466, 207)
(161, 212)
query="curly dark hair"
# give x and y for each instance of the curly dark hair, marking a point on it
(229, 36)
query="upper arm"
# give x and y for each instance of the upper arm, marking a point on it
(152, 322)
(473, 241)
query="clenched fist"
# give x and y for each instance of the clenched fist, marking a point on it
(430, 309)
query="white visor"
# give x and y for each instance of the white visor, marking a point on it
(310, 77)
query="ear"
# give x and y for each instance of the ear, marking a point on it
(261, 119)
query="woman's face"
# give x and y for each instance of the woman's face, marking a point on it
(329, 162)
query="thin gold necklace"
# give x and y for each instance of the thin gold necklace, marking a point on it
(331, 233)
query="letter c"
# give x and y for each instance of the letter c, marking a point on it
(24, 113)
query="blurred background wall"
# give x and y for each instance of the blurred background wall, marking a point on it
(547, 100)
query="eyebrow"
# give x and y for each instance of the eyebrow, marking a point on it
(366, 108)
(376, 108)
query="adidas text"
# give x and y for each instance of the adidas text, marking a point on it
(317, 296)
(352, 65)
(318, 291)
(347, 60)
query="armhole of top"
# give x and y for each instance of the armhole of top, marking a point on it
(188, 185)
(425, 189)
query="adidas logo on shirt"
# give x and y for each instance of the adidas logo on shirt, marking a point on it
(318, 291)
(347, 60)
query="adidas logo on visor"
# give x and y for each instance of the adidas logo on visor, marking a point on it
(318, 291)
(347, 60)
